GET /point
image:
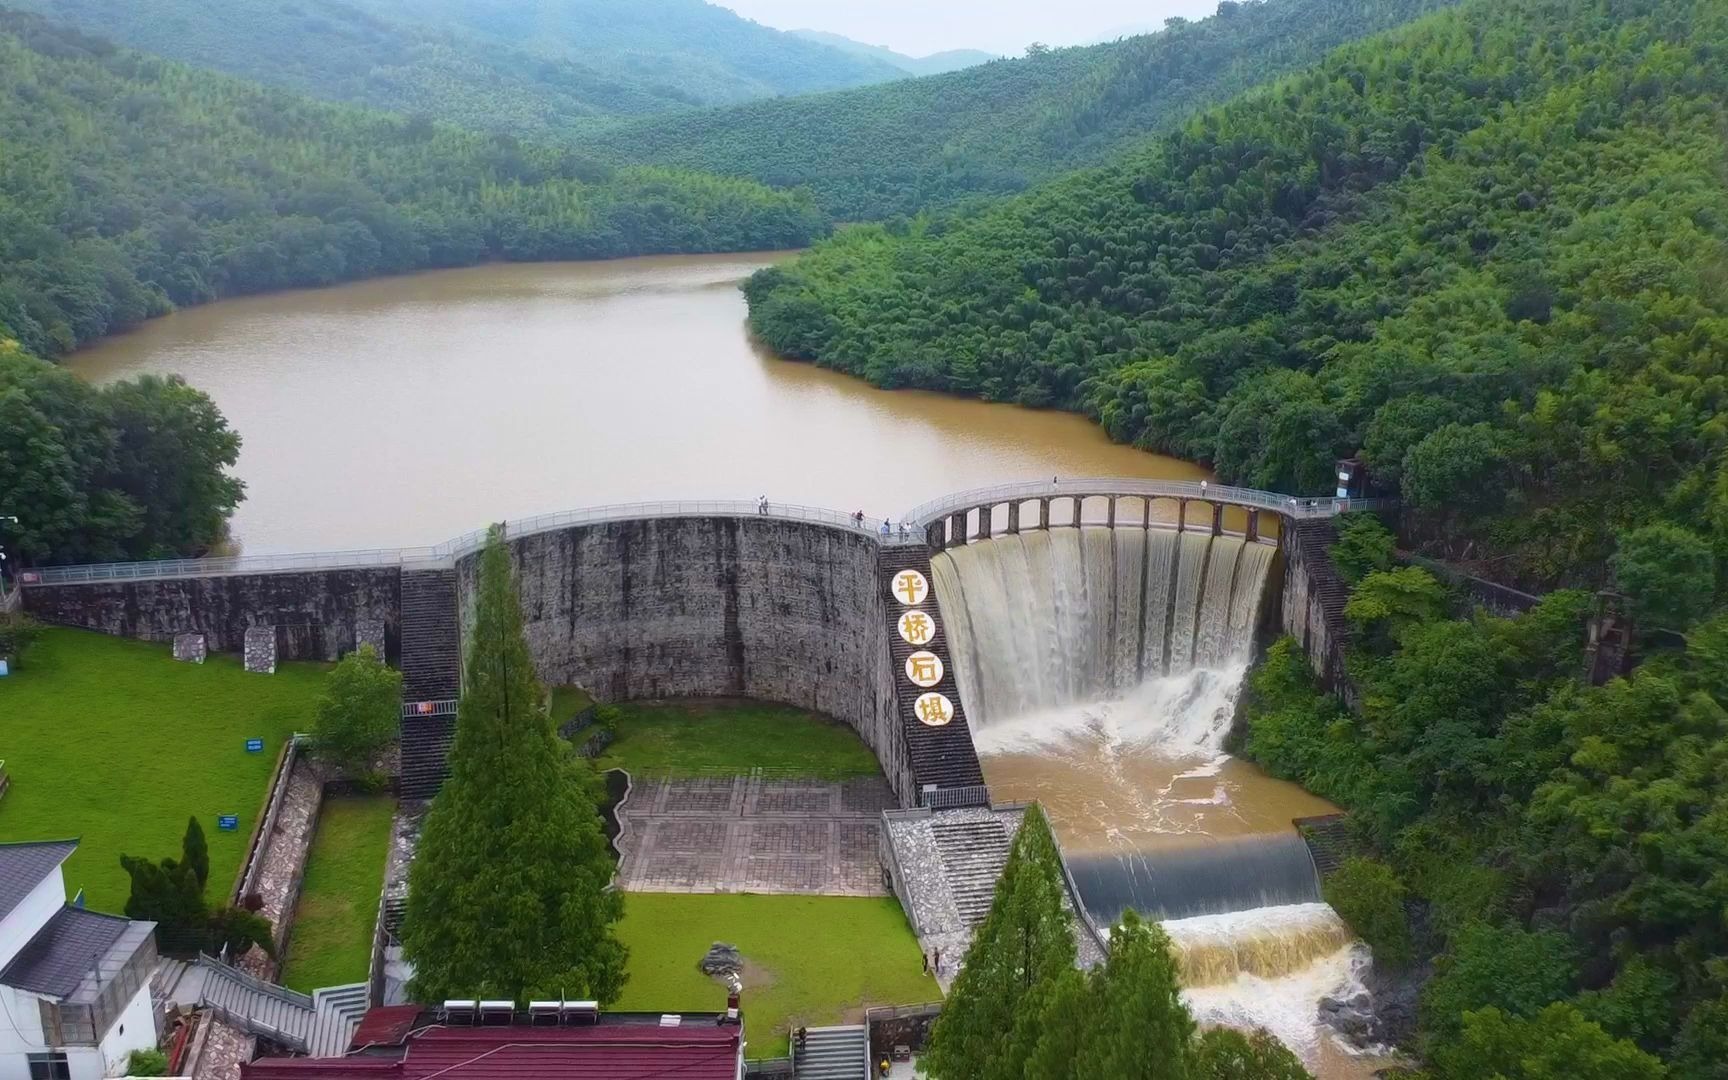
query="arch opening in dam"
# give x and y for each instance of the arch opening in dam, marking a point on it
(1101, 668)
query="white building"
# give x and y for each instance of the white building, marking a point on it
(74, 985)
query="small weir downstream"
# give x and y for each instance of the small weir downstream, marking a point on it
(1101, 669)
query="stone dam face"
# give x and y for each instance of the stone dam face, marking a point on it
(777, 610)
(732, 604)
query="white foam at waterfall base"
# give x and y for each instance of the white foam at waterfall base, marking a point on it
(1182, 717)
(1051, 634)
(1283, 959)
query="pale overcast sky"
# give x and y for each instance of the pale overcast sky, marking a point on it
(919, 27)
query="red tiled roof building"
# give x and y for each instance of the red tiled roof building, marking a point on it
(406, 1043)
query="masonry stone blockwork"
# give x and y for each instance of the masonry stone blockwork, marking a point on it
(315, 612)
(778, 610)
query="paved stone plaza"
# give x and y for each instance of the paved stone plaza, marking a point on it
(753, 834)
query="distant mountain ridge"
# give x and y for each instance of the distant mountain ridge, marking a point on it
(131, 185)
(870, 153)
(524, 66)
(939, 63)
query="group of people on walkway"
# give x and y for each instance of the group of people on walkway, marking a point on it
(933, 965)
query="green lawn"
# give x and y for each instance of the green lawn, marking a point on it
(113, 742)
(567, 701)
(810, 960)
(331, 942)
(720, 737)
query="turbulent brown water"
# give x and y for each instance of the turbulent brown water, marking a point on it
(409, 410)
(1100, 668)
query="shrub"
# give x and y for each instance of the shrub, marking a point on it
(236, 930)
(606, 718)
(359, 712)
(1388, 603)
(1364, 545)
(147, 1063)
(1554, 1043)
(16, 635)
(1368, 896)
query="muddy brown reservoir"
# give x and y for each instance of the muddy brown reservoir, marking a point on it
(409, 410)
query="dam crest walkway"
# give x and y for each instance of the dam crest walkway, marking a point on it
(907, 530)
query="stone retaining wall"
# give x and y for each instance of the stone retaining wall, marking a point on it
(317, 614)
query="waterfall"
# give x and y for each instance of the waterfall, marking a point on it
(1200, 876)
(1046, 619)
(1100, 669)
(1213, 950)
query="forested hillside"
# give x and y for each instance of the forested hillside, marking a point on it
(1486, 251)
(528, 67)
(129, 184)
(1556, 848)
(934, 64)
(912, 145)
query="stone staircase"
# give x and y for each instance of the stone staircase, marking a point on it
(426, 744)
(431, 679)
(1328, 840)
(1316, 537)
(431, 641)
(942, 758)
(973, 853)
(320, 1025)
(336, 1015)
(833, 1053)
(395, 909)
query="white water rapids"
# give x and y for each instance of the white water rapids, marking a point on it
(1101, 669)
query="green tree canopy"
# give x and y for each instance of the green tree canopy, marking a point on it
(134, 470)
(1364, 546)
(1555, 1043)
(1506, 968)
(1386, 604)
(1668, 571)
(1227, 1054)
(1138, 1027)
(195, 853)
(508, 895)
(1368, 896)
(1021, 949)
(359, 711)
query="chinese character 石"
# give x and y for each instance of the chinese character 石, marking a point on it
(934, 709)
(916, 628)
(910, 585)
(924, 668)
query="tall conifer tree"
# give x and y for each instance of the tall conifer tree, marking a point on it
(1137, 1027)
(508, 896)
(195, 853)
(1022, 948)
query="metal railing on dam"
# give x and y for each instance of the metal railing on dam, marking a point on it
(448, 552)
(1198, 491)
(907, 530)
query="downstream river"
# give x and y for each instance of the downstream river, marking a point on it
(406, 411)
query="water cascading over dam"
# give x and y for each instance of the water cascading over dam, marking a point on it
(1101, 667)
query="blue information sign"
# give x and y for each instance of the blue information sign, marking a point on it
(228, 822)
(254, 746)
